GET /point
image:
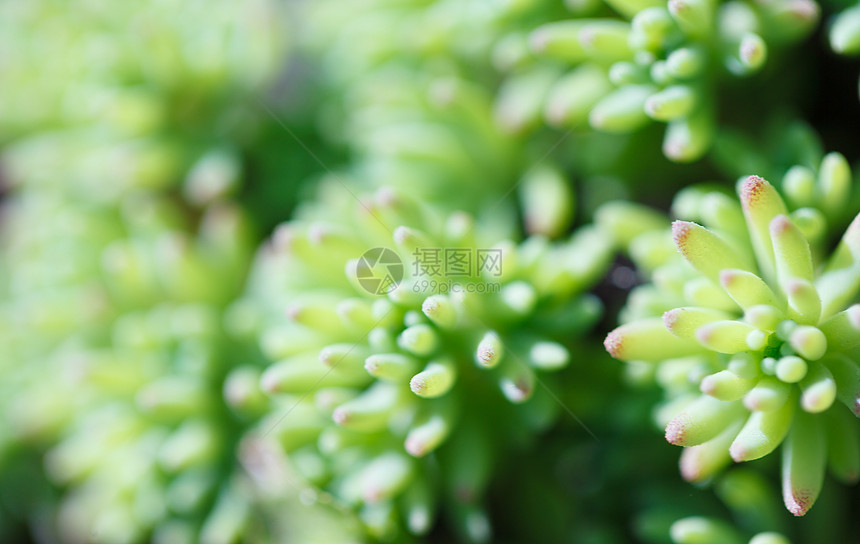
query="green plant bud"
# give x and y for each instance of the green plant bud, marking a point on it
(803, 463)
(698, 530)
(845, 372)
(703, 249)
(809, 342)
(685, 63)
(737, 19)
(731, 337)
(804, 302)
(701, 421)
(516, 380)
(622, 111)
(518, 298)
(560, 40)
(688, 138)
(606, 40)
(726, 385)
(418, 339)
(799, 186)
(702, 462)
(318, 315)
(763, 432)
(683, 322)
(834, 182)
(761, 204)
(385, 477)
(435, 380)
(440, 310)
(429, 432)
(819, 389)
(647, 340)
(693, 16)
(791, 369)
(371, 410)
(490, 351)
(547, 201)
(392, 367)
(751, 55)
(346, 357)
(298, 373)
(548, 356)
(650, 28)
(791, 251)
(845, 32)
(671, 103)
(769, 394)
(769, 538)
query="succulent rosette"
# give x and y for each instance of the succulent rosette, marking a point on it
(655, 62)
(397, 383)
(759, 318)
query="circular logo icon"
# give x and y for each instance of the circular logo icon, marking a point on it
(379, 270)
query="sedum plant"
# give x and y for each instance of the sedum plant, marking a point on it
(115, 364)
(656, 62)
(398, 398)
(756, 342)
(122, 243)
(132, 70)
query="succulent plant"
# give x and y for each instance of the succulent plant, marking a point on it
(658, 61)
(157, 66)
(116, 361)
(758, 330)
(123, 134)
(401, 374)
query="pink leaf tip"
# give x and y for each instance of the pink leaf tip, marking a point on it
(614, 343)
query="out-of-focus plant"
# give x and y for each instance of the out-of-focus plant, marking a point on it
(132, 69)
(124, 244)
(658, 61)
(758, 330)
(399, 382)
